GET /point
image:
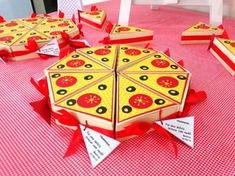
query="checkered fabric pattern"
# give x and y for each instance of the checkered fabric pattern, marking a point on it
(69, 7)
(28, 146)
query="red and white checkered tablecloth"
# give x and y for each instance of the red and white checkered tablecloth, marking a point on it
(28, 146)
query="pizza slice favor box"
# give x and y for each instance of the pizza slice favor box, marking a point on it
(94, 18)
(108, 95)
(200, 33)
(15, 34)
(120, 34)
(224, 51)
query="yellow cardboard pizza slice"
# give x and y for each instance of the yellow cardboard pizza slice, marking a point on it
(172, 85)
(10, 27)
(31, 22)
(129, 54)
(11, 38)
(123, 29)
(229, 44)
(96, 101)
(97, 16)
(75, 62)
(34, 35)
(105, 55)
(157, 62)
(63, 84)
(56, 24)
(135, 100)
(202, 27)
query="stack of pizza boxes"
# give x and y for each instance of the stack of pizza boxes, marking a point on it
(15, 34)
(114, 86)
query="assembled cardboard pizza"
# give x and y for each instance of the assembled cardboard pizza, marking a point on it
(113, 86)
(94, 18)
(200, 33)
(121, 34)
(224, 51)
(15, 34)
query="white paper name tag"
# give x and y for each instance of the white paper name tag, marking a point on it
(51, 49)
(182, 128)
(98, 145)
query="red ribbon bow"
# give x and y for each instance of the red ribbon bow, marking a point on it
(61, 14)
(2, 19)
(43, 106)
(72, 41)
(94, 8)
(33, 15)
(109, 27)
(5, 55)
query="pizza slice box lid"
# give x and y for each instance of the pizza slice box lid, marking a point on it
(228, 64)
(194, 32)
(84, 117)
(132, 33)
(122, 69)
(31, 22)
(96, 58)
(49, 69)
(16, 26)
(100, 13)
(17, 46)
(149, 116)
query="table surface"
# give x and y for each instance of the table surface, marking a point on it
(28, 146)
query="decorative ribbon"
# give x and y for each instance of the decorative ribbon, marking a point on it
(94, 8)
(61, 14)
(33, 15)
(72, 41)
(167, 52)
(109, 27)
(2, 20)
(5, 54)
(107, 40)
(43, 106)
(181, 62)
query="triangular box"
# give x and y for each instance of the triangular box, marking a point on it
(224, 51)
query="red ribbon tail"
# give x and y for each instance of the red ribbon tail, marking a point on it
(32, 45)
(65, 36)
(160, 130)
(77, 44)
(41, 86)
(5, 54)
(33, 15)
(196, 97)
(181, 62)
(61, 14)
(44, 56)
(225, 35)
(66, 52)
(66, 118)
(74, 143)
(42, 108)
(167, 52)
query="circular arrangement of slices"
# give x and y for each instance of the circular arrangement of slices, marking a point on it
(14, 34)
(113, 86)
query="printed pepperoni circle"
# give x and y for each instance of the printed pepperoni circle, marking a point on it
(133, 52)
(102, 52)
(167, 82)
(75, 63)
(31, 19)
(160, 63)
(63, 24)
(232, 44)
(1, 31)
(11, 24)
(52, 20)
(203, 26)
(89, 100)
(123, 29)
(140, 101)
(55, 33)
(36, 37)
(66, 81)
(94, 13)
(6, 38)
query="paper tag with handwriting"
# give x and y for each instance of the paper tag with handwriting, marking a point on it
(98, 145)
(51, 49)
(182, 128)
